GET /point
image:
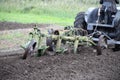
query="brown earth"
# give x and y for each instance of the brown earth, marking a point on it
(85, 65)
(15, 34)
(15, 25)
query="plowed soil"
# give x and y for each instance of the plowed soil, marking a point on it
(85, 65)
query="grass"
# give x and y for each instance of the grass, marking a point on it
(34, 18)
(11, 35)
(10, 39)
(60, 12)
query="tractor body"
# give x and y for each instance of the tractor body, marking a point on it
(90, 21)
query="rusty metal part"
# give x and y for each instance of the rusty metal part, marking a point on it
(102, 44)
(99, 50)
(29, 49)
(50, 43)
(102, 41)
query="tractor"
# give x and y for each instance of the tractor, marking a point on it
(88, 30)
(107, 35)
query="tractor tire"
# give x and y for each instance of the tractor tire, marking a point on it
(118, 32)
(117, 46)
(117, 19)
(80, 21)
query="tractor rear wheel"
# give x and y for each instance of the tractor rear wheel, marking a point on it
(117, 46)
(80, 21)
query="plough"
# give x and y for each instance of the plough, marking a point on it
(56, 40)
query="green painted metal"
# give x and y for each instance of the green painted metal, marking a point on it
(76, 42)
(67, 35)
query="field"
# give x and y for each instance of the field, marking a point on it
(85, 65)
(60, 12)
(17, 19)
